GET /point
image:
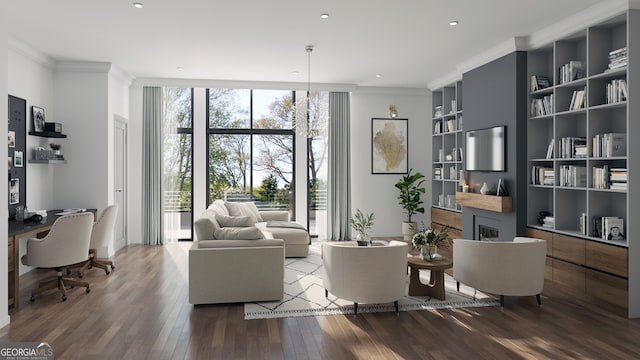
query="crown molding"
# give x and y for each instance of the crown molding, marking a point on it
(28, 51)
(121, 75)
(373, 90)
(446, 80)
(239, 84)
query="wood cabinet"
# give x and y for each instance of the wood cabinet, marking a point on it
(452, 219)
(584, 266)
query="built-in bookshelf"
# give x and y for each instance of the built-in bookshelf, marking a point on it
(577, 133)
(447, 145)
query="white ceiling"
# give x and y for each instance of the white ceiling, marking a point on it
(408, 42)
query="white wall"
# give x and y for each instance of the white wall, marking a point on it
(377, 193)
(4, 281)
(81, 104)
(31, 78)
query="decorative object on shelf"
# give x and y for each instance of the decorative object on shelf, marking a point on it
(411, 190)
(362, 223)
(37, 115)
(393, 113)
(55, 147)
(389, 146)
(428, 240)
(462, 181)
(484, 190)
(310, 120)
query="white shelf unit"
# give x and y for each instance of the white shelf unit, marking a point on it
(447, 145)
(591, 48)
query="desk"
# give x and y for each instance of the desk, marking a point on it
(17, 230)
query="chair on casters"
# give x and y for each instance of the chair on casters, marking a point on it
(101, 236)
(66, 244)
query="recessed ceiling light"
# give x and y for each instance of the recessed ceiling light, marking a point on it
(378, 75)
(137, 5)
(324, 16)
(295, 72)
(453, 22)
(179, 68)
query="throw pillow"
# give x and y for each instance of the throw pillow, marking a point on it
(239, 209)
(242, 233)
(254, 209)
(235, 221)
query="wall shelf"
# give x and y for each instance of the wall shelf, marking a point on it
(501, 204)
(47, 134)
(47, 161)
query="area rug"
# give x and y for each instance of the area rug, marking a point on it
(304, 295)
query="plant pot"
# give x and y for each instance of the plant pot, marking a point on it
(363, 240)
(408, 229)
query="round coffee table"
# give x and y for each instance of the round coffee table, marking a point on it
(435, 287)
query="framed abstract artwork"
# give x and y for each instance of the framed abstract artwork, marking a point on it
(389, 146)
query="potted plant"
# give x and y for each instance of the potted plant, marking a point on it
(428, 240)
(55, 147)
(411, 190)
(362, 223)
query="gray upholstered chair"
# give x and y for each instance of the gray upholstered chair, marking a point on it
(101, 236)
(365, 274)
(505, 268)
(66, 245)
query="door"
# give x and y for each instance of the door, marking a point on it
(120, 181)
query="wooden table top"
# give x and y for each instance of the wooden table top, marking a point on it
(442, 264)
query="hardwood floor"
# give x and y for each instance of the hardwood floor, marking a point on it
(141, 311)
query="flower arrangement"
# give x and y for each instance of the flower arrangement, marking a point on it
(430, 236)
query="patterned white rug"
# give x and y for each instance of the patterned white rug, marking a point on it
(304, 294)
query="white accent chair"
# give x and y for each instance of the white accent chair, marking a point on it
(365, 274)
(507, 268)
(66, 245)
(101, 236)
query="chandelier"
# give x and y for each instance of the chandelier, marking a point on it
(311, 116)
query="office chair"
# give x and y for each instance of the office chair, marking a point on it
(66, 244)
(101, 236)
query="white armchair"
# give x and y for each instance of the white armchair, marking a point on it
(371, 274)
(66, 245)
(501, 268)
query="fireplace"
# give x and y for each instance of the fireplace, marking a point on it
(488, 233)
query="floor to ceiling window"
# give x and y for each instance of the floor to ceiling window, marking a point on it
(317, 147)
(178, 161)
(251, 147)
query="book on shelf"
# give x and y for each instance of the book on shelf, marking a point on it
(573, 70)
(548, 222)
(437, 173)
(541, 175)
(582, 222)
(617, 58)
(437, 127)
(437, 111)
(600, 177)
(613, 228)
(617, 91)
(609, 145)
(572, 176)
(577, 100)
(572, 147)
(597, 227)
(539, 82)
(542, 106)
(550, 149)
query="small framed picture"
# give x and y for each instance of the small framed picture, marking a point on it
(37, 114)
(14, 191)
(18, 158)
(12, 139)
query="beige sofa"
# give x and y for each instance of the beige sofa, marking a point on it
(236, 258)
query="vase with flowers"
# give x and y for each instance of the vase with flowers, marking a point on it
(428, 240)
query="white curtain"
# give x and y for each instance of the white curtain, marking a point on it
(339, 176)
(152, 213)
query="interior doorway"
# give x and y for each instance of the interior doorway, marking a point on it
(120, 181)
